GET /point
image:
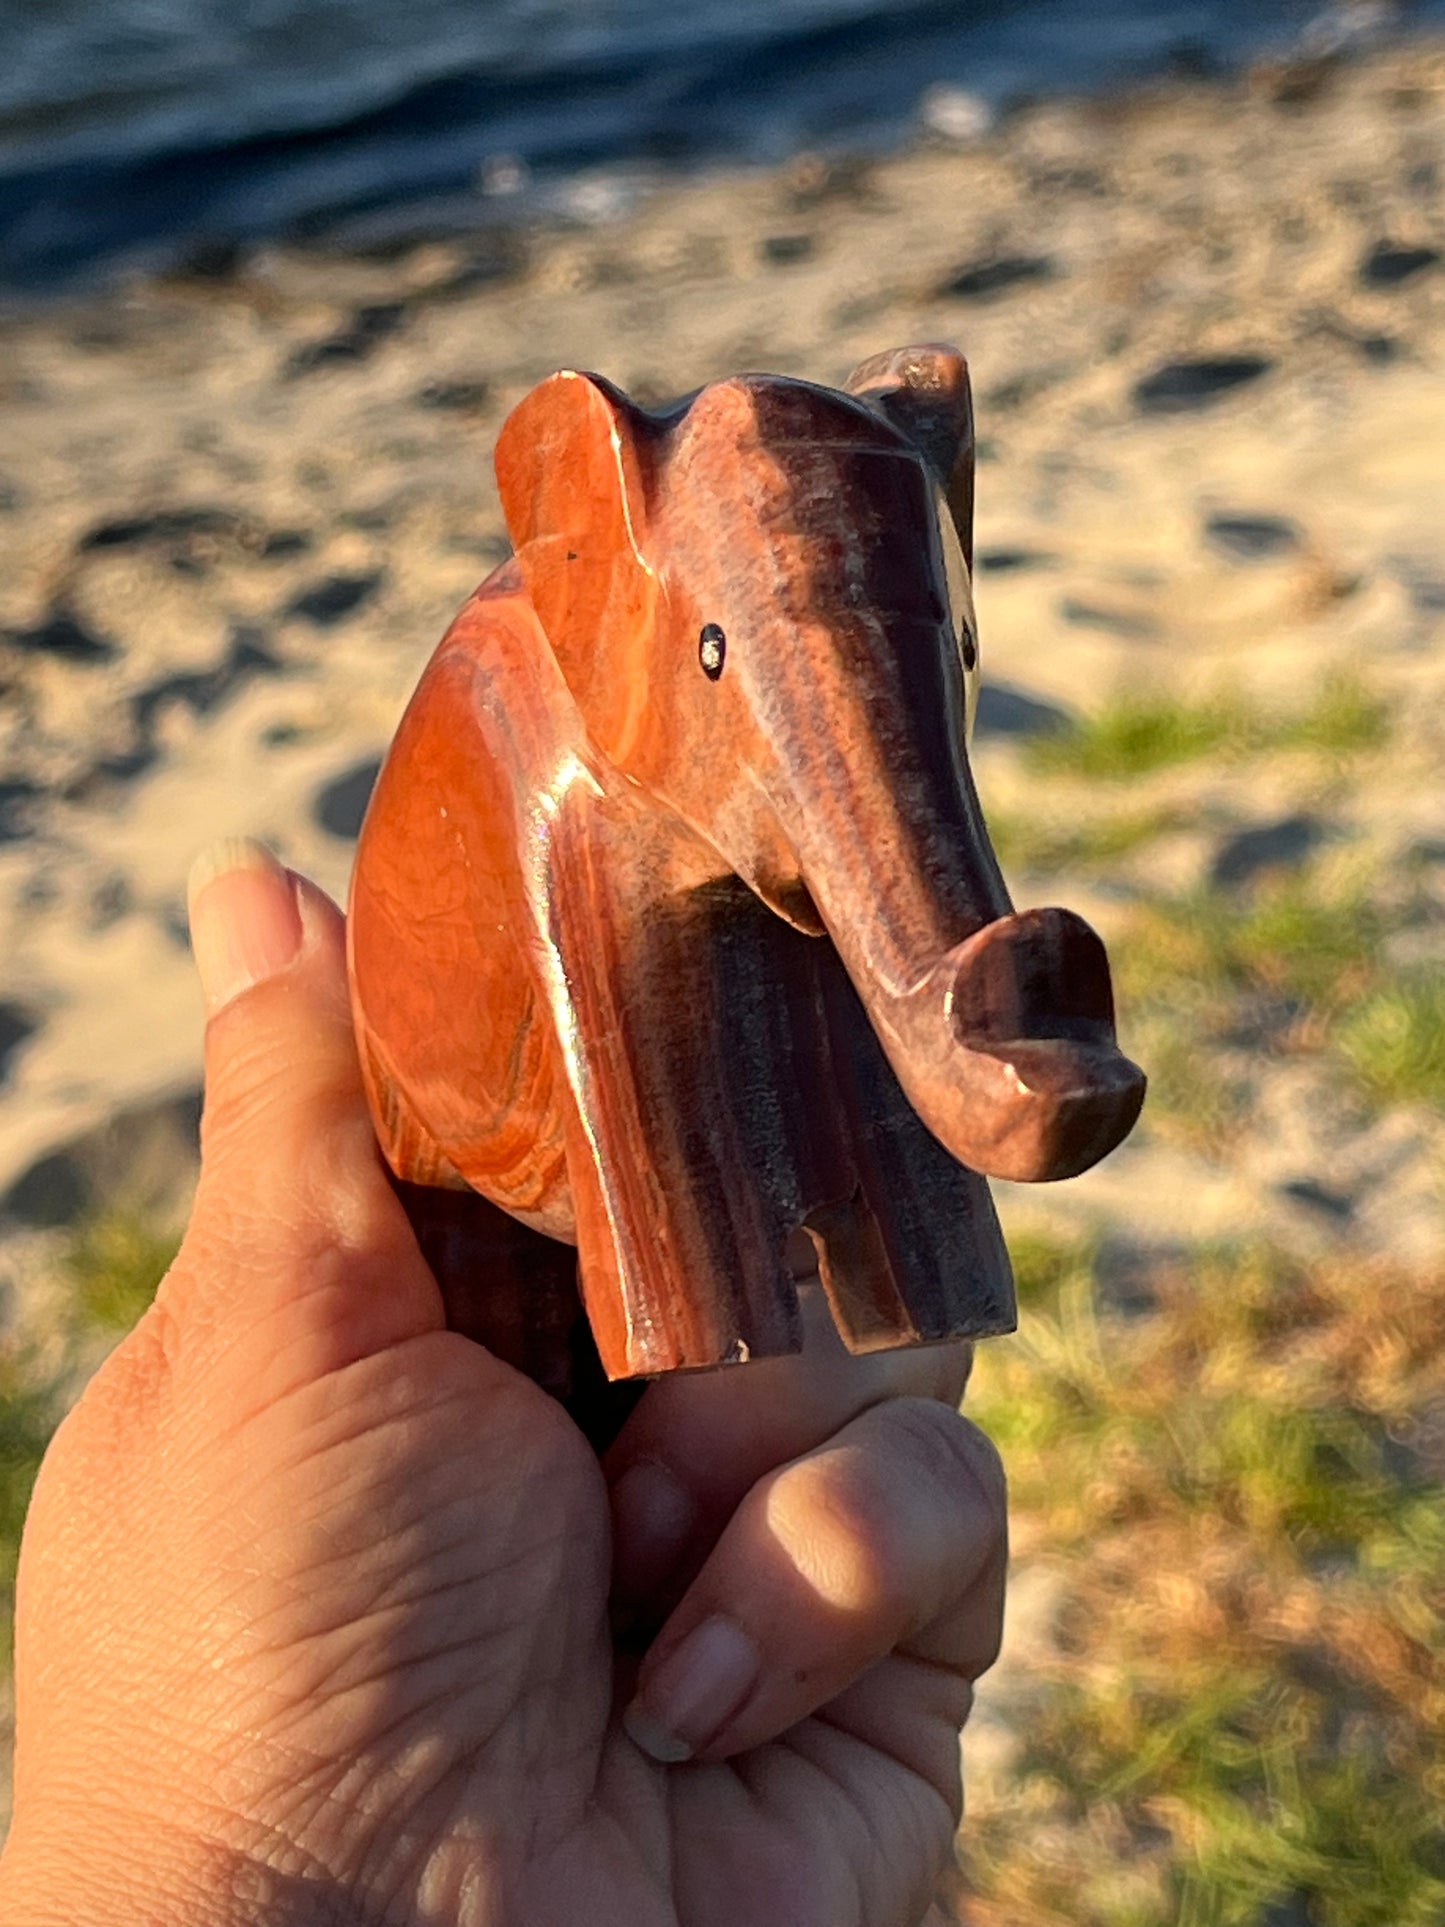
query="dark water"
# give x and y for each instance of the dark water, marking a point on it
(134, 133)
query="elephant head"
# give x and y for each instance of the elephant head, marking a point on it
(760, 600)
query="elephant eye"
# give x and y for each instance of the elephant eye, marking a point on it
(712, 647)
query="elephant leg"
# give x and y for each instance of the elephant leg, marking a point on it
(857, 1275)
(681, 1146)
(504, 1285)
(461, 1067)
(916, 1255)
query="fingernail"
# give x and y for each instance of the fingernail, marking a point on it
(245, 925)
(653, 1516)
(694, 1692)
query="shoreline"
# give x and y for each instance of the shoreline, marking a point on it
(518, 141)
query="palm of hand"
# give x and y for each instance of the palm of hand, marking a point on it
(322, 1590)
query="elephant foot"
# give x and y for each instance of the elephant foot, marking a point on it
(867, 1306)
(885, 1299)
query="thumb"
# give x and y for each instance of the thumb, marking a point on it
(294, 1213)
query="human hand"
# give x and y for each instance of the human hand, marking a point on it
(313, 1615)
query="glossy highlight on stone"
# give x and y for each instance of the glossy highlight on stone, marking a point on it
(675, 930)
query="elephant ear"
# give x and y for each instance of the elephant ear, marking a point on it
(573, 461)
(924, 392)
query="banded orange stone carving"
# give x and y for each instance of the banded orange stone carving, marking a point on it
(676, 932)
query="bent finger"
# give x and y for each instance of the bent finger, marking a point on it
(699, 1442)
(890, 1538)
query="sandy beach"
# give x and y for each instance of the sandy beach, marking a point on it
(1206, 324)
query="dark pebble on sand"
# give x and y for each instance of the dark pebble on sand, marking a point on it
(111, 900)
(1007, 561)
(1268, 847)
(199, 690)
(1388, 263)
(194, 537)
(326, 603)
(1115, 622)
(65, 636)
(145, 1158)
(1006, 711)
(49, 1193)
(781, 250)
(17, 1026)
(460, 397)
(1424, 584)
(203, 690)
(340, 807)
(1182, 385)
(1007, 395)
(164, 525)
(14, 817)
(1318, 1197)
(367, 328)
(281, 543)
(981, 279)
(1253, 538)
(96, 786)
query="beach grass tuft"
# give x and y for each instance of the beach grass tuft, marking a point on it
(1046, 844)
(1141, 732)
(1300, 968)
(1394, 1041)
(115, 1261)
(30, 1409)
(1239, 1707)
(110, 1266)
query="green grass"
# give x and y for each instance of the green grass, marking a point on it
(1299, 967)
(1236, 1717)
(1046, 843)
(1138, 734)
(1242, 1707)
(1043, 1265)
(115, 1261)
(30, 1409)
(1394, 1041)
(1311, 938)
(1194, 1100)
(111, 1266)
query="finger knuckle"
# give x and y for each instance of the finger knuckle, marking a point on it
(830, 1517)
(950, 1455)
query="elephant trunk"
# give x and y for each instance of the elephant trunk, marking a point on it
(1007, 1049)
(998, 1023)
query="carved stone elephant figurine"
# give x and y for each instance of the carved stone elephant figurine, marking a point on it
(675, 928)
